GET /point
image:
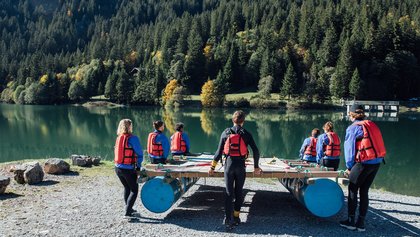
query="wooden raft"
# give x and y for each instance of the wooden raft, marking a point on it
(272, 168)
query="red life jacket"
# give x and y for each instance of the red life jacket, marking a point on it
(123, 154)
(371, 146)
(311, 149)
(153, 148)
(235, 145)
(333, 148)
(177, 143)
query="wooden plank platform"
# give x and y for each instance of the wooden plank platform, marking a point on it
(271, 167)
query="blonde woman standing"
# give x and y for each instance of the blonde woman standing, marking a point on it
(128, 157)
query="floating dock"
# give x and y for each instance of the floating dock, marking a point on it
(378, 110)
(317, 188)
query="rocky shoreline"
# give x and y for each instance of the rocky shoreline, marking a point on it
(88, 202)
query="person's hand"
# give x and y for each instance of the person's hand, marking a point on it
(257, 171)
(211, 172)
(347, 172)
(140, 171)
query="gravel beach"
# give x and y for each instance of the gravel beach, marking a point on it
(89, 202)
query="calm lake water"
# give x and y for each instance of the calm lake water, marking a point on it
(33, 132)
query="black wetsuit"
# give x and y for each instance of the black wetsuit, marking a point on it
(235, 172)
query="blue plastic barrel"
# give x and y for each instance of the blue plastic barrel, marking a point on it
(160, 193)
(323, 198)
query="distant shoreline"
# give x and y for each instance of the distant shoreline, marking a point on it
(405, 106)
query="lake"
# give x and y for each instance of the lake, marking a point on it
(34, 132)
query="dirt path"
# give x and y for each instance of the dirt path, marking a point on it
(89, 202)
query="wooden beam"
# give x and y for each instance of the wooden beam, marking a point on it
(267, 174)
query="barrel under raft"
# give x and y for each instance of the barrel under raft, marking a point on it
(322, 197)
(160, 193)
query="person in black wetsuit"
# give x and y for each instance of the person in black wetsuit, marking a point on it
(233, 144)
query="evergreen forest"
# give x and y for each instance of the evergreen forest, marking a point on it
(67, 51)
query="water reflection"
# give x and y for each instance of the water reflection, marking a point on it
(30, 132)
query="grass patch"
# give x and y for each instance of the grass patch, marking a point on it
(105, 168)
(99, 97)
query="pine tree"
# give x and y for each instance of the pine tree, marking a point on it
(124, 87)
(288, 87)
(194, 64)
(355, 84)
(264, 86)
(323, 83)
(327, 53)
(342, 75)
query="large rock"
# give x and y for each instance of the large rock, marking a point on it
(33, 173)
(19, 170)
(84, 161)
(4, 181)
(96, 160)
(56, 166)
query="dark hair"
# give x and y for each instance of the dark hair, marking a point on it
(238, 117)
(358, 116)
(315, 132)
(157, 124)
(179, 126)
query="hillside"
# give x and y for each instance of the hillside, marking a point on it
(70, 50)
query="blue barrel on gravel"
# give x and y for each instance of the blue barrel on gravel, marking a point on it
(322, 197)
(160, 193)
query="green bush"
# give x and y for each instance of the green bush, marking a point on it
(264, 103)
(237, 103)
(7, 95)
(17, 93)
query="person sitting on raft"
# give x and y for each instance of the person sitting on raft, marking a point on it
(328, 147)
(180, 143)
(308, 150)
(158, 144)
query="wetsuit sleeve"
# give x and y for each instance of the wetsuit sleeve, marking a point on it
(319, 147)
(187, 141)
(352, 133)
(255, 151)
(134, 142)
(165, 145)
(218, 155)
(302, 149)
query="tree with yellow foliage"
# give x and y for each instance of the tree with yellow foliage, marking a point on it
(211, 94)
(169, 91)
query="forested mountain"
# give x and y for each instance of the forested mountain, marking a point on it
(69, 50)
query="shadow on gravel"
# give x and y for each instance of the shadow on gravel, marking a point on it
(46, 183)
(388, 201)
(403, 227)
(70, 173)
(5, 196)
(269, 212)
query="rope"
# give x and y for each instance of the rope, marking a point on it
(308, 172)
(273, 161)
(341, 173)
